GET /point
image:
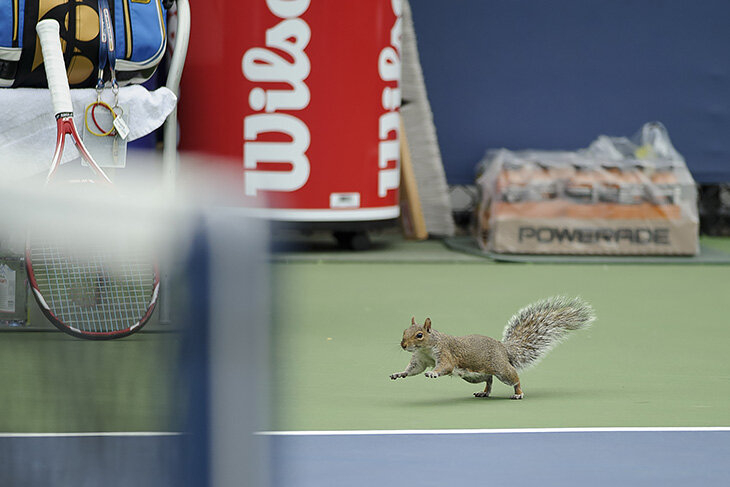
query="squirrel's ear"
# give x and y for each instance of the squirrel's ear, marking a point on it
(427, 325)
(413, 320)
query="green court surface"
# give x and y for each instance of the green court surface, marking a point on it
(656, 356)
(54, 383)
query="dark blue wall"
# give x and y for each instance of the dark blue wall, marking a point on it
(556, 74)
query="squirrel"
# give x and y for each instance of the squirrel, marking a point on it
(528, 336)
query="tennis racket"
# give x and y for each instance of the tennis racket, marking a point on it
(90, 286)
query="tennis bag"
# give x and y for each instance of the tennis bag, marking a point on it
(140, 40)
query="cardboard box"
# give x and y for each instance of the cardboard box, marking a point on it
(590, 201)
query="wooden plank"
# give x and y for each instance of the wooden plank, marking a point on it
(413, 223)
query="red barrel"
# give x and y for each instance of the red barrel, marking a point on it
(303, 97)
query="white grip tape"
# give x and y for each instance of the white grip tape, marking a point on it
(48, 33)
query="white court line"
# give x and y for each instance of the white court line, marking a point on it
(90, 434)
(627, 429)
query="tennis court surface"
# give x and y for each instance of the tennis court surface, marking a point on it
(640, 398)
(498, 457)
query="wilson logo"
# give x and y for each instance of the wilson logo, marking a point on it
(282, 62)
(389, 70)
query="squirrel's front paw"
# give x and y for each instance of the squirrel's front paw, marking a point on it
(431, 374)
(398, 375)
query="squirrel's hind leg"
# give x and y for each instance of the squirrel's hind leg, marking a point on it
(487, 389)
(510, 377)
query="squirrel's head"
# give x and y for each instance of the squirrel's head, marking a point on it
(416, 336)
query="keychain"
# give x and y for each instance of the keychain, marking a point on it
(96, 125)
(107, 54)
(92, 107)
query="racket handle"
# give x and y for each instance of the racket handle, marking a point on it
(48, 33)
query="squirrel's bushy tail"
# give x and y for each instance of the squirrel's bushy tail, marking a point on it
(537, 328)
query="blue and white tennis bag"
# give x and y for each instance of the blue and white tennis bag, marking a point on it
(139, 31)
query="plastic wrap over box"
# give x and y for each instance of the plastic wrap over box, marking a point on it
(618, 196)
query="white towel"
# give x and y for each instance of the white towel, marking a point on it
(28, 126)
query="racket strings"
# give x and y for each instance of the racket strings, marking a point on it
(95, 291)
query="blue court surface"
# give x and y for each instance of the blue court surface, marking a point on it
(564, 457)
(584, 457)
(142, 459)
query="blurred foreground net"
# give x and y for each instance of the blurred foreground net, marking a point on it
(173, 405)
